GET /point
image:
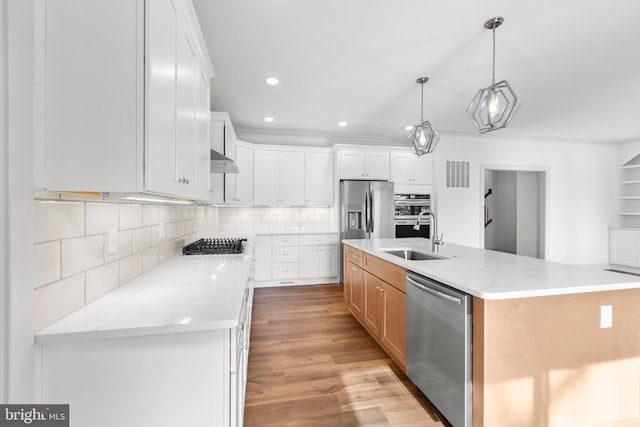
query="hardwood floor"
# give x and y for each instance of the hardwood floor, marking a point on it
(312, 364)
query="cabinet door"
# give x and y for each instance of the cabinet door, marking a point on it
(327, 261)
(244, 179)
(356, 299)
(292, 178)
(351, 165)
(401, 168)
(230, 195)
(422, 169)
(216, 180)
(185, 139)
(393, 334)
(309, 262)
(377, 165)
(202, 136)
(263, 258)
(319, 179)
(373, 290)
(265, 178)
(624, 248)
(160, 161)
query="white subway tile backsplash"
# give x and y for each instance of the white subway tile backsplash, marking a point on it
(101, 217)
(140, 239)
(124, 246)
(130, 268)
(55, 301)
(170, 231)
(150, 215)
(150, 258)
(100, 281)
(57, 220)
(81, 254)
(130, 216)
(46, 263)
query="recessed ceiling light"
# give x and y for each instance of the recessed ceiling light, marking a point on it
(272, 81)
(268, 119)
(342, 124)
(408, 128)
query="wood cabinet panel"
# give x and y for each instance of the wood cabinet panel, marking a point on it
(390, 273)
(356, 297)
(353, 255)
(393, 334)
(373, 295)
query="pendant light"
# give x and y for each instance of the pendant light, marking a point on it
(424, 137)
(493, 107)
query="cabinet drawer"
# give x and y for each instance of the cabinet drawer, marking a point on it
(285, 270)
(390, 273)
(353, 255)
(285, 254)
(285, 240)
(319, 239)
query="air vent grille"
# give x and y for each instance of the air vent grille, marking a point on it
(457, 174)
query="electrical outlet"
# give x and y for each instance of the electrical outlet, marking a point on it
(112, 242)
(606, 316)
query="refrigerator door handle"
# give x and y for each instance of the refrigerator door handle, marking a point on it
(366, 213)
(371, 224)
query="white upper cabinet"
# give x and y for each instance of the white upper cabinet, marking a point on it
(202, 136)
(119, 97)
(279, 178)
(319, 178)
(363, 164)
(239, 186)
(407, 168)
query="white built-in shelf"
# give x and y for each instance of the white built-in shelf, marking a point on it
(629, 213)
(630, 182)
(630, 197)
(629, 166)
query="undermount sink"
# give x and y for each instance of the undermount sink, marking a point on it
(413, 255)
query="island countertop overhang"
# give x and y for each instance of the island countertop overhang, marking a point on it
(493, 275)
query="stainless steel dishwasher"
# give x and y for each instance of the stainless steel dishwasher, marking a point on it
(439, 346)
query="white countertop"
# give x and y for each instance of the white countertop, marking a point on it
(496, 275)
(186, 293)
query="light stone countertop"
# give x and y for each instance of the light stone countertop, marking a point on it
(186, 293)
(496, 275)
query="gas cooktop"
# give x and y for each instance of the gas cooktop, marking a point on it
(215, 246)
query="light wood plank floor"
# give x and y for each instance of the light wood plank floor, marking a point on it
(312, 364)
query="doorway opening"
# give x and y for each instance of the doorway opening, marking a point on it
(514, 211)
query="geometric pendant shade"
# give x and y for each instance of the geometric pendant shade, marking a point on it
(423, 137)
(494, 106)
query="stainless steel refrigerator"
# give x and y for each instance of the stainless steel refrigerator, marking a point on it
(366, 211)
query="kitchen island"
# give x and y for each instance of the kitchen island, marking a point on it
(540, 357)
(168, 348)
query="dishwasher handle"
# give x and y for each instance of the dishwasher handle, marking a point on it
(434, 292)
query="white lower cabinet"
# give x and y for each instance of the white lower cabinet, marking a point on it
(195, 379)
(624, 247)
(296, 259)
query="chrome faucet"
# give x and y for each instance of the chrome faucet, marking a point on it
(435, 240)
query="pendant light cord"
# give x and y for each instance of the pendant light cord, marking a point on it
(421, 103)
(493, 72)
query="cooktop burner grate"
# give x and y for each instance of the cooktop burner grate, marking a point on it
(215, 246)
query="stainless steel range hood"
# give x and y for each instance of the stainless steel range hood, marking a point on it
(222, 164)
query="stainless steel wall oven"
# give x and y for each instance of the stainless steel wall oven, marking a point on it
(407, 209)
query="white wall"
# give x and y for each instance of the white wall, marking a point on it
(580, 199)
(21, 357)
(3, 205)
(528, 213)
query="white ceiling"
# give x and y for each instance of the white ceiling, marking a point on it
(575, 64)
